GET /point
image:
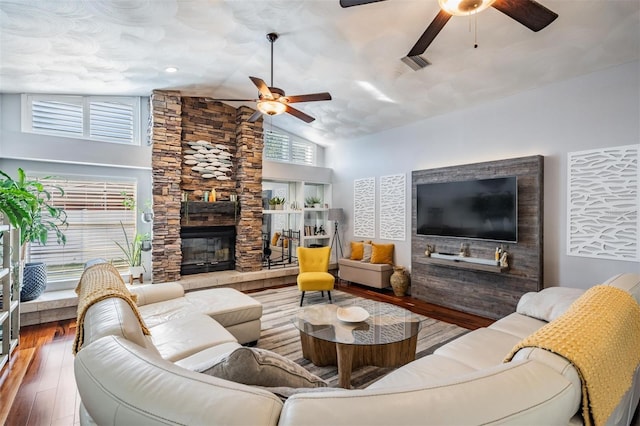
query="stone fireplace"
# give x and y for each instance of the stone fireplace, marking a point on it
(177, 121)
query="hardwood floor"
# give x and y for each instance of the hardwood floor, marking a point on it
(40, 377)
(38, 387)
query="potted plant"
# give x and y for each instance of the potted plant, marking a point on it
(132, 250)
(276, 203)
(26, 203)
(313, 202)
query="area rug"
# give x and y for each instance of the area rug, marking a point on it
(279, 334)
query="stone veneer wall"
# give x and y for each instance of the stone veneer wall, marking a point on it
(166, 113)
(249, 180)
(176, 121)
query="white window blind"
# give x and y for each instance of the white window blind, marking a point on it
(105, 119)
(282, 147)
(94, 210)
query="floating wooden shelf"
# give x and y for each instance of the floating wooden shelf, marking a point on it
(461, 264)
(199, 207)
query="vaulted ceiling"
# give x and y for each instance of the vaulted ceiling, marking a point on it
(122, 47)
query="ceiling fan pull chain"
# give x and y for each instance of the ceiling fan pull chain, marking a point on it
(475, 35)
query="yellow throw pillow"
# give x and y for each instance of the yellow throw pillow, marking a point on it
(274, 240)
(382, 253)
(357, 249)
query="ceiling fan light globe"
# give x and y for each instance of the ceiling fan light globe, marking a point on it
(464, 7)
(271, 107)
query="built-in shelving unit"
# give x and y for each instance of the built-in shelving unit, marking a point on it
(300, 217)
(10, 299)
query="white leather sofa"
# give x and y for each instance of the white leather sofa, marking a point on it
(122, 379)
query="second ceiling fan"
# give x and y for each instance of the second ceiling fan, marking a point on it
(273, 101)
(529, 13)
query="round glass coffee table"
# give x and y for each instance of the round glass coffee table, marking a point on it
(371, 333)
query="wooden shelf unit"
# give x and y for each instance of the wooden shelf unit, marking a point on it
(10, 300)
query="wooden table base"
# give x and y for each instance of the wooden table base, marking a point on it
(347, 357)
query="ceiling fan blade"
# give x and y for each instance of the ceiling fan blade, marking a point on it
(324, 96)
(262, 87)
(430, 33)
(349, 3)
(529, 13)
(254, 117)
(230, 100)
(299, 114)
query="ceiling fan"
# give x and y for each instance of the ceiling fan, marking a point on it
(273, 101)
(529, 13)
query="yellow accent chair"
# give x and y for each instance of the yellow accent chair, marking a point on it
(314, 270)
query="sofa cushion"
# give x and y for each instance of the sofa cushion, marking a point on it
(183, 337)
(517, 324)
(228, 306)
(481, 348)
(549, 303)
(382, 253)
(421, 371)
(260, 367)
(377, 267)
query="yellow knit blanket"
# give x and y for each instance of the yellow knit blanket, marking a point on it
(600, 335)
(99, 282)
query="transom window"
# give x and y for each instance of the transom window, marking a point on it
(283, 147)
(99, 118)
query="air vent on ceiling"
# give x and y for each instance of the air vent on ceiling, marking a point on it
(416, 62)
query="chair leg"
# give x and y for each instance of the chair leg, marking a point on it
(301, 298)
(329, 292)
(322, 294)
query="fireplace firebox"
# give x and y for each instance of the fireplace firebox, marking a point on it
(207, 249)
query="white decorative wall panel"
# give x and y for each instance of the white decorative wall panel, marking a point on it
(364, 208)
(393, 207)
(603, 203)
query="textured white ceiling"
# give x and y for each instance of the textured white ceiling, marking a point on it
(121, 47)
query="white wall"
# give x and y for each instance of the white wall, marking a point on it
(592, 111)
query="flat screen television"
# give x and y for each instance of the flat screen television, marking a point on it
(485, 209)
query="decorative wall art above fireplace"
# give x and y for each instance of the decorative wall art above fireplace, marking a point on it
(212, 161)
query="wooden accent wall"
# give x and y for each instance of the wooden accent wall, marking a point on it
(166, 111)
(491, 294)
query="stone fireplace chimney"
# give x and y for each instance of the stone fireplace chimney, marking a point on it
(178, 120)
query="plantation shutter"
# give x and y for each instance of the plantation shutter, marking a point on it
(112, 121)
(95, 212)
(301, 152)
(281, 147)
(276, 146)
(62, 118)
(105, 119)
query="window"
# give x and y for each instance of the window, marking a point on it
(282, 147)
(99, 118)
(95, 211)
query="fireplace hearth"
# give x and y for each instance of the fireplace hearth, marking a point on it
(207, 249)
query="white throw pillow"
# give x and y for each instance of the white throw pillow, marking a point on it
(366, 252)
(549, 303)
(260, 367)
